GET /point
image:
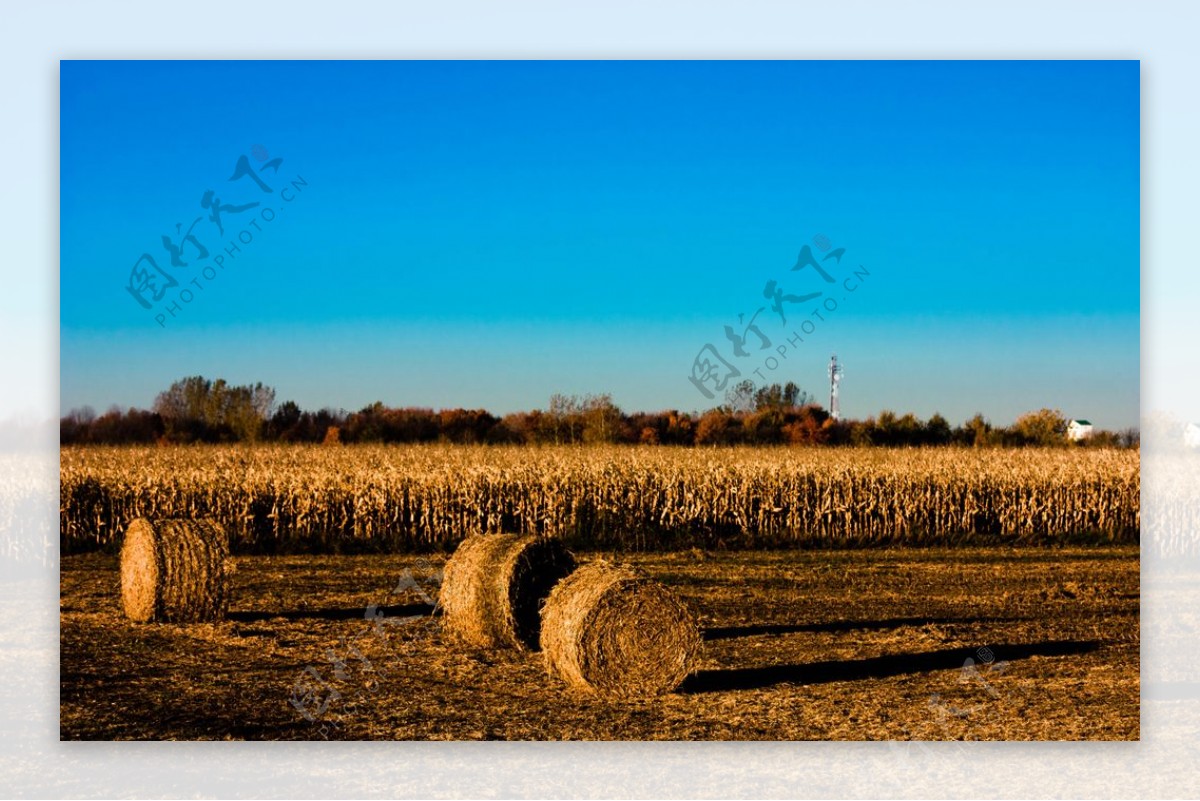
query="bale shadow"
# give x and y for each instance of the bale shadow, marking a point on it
(358, 613)
(878, 667)
(733, 632)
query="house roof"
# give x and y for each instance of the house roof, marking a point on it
(1082, 422)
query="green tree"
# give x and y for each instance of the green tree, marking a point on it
(601, 418)
(1043, 427)
(765, 426)
(780, 396)
(937, 430)
(285, 420)
(195, 408)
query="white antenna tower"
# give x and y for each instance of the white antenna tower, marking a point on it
(835, 378)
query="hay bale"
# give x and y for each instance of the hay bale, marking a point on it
(174, 570)
(494, 585)
(611, 630)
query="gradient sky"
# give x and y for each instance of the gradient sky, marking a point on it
(484, 234)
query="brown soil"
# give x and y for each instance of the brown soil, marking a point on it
(988, 644)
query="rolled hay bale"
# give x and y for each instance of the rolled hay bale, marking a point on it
(174, 571)
(613, 631)
(494, 585)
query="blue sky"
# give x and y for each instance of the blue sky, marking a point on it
(484, 234)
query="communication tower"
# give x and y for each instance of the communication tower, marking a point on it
(835, 378)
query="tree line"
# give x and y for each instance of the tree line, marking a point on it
(195, 409)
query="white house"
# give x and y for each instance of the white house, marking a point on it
(1191, 435)
(1079, 429)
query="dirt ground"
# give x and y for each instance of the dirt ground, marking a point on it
(963, 644)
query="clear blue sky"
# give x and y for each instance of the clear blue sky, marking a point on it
(483, 234)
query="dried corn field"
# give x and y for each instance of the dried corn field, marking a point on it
(410, 498)
(26, 509)
(1172, 489)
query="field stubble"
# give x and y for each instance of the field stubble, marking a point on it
(957, 644)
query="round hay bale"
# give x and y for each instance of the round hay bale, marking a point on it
(494, 585)
(174, 570)
(613, 631)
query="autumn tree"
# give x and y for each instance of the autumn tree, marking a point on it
(718, 427)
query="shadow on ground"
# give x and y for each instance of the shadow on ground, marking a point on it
(707, 681)
(359, 613)
(732, 632)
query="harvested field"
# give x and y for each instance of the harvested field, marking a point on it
(965, 643)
